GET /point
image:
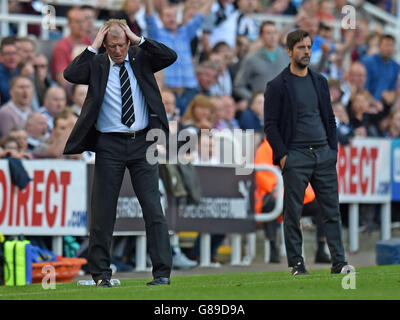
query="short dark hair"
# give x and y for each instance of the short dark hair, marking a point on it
(386, 36)
(7, 41)
(294, 37)
(14, 79)
(323, 26)
(87, 7)
(218, 46)
(266, 23)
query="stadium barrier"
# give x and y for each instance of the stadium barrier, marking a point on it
(57, 200)
(365, 176)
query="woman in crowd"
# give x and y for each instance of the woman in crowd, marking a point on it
(200, 114)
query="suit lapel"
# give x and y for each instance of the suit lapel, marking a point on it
(134, 65)
(104, 72)
(137, 72)
(291, 93)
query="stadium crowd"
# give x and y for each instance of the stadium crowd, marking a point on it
(226, 56)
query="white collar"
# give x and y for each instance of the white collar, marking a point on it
(23, 113)
(112, 63)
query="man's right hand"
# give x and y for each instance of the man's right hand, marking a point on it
(283, 161)
(98, 41)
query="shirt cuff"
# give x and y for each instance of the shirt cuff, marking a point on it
(92, 50)
(141, 40)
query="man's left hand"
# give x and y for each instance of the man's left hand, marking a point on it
(134, 39)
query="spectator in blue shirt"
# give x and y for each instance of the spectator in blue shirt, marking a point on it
(382, 71)
(323, 44)
(9, 60)
(180, 75)
(253, 117)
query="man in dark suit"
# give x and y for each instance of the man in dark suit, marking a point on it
(122, 104)
(301, 129)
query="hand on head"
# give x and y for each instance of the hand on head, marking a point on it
(101, 35)
(98, 41)
(134, 39)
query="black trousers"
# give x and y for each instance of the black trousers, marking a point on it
(310, 209)
(317, 166)
(114, 154)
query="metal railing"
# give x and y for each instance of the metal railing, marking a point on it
(376, 12)
(101, 4)
(23, 20)
(236, 238)
(392, 23)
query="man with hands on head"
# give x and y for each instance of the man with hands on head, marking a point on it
(123, 102)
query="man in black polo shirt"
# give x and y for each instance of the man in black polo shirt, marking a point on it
(300, 127)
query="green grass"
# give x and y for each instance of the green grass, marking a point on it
(382, 282)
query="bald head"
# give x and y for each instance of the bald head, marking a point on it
(357, 75)
(54, 90)
(36, 125)
(55, 100)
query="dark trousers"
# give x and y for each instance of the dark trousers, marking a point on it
(317, 166)
(310, 209)
(113, 155)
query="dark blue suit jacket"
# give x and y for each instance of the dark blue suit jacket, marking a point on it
(280, 112)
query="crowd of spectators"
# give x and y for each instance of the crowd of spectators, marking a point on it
(225, 58)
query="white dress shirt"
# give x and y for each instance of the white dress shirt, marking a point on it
(109, 119)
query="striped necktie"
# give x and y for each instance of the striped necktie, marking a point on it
(128, 112)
